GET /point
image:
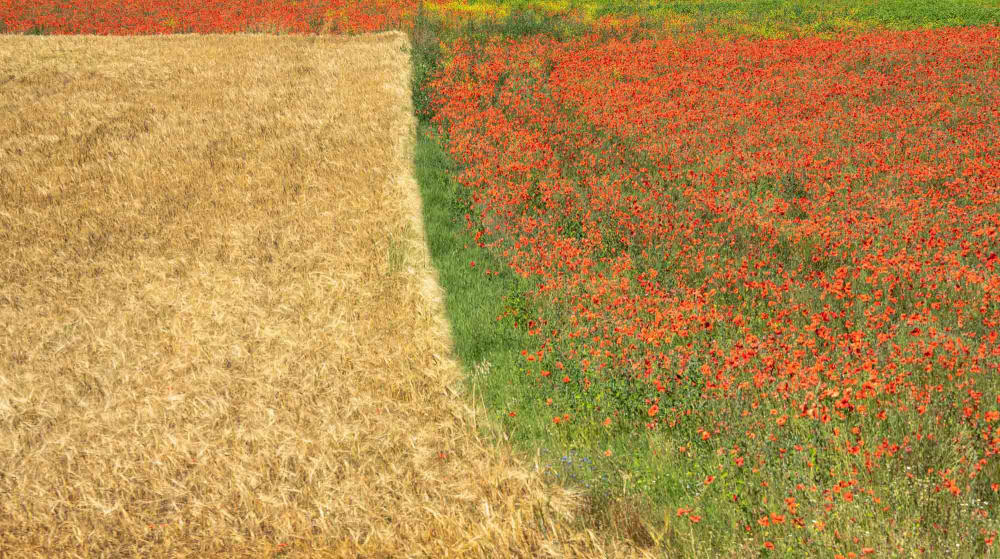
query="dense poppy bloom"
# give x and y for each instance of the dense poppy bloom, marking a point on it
(142, 17)
(761, 239)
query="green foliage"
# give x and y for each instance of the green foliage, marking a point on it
(473, 301)
(488, 315)
(770, 18)
(524, 22)
(425, 57)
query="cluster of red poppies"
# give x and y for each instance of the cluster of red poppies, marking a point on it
(784, 252)
(141, 17)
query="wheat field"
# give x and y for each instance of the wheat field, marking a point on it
(220, 333)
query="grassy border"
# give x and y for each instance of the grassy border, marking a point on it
(489, 352)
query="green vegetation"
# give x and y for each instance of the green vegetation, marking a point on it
(486, 315)
(767, 18)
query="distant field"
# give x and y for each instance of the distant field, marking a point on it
(145, 17)
(743, 17)
(219, 331)
(766, 17)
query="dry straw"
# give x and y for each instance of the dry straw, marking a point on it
(219, 328)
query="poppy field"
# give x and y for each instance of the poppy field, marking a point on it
(752, 17)
(778, 260)
(153, 17)
(733, 273)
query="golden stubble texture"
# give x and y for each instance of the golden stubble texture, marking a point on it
(220, 333)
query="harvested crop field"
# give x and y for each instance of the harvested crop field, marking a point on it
(220, 333)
